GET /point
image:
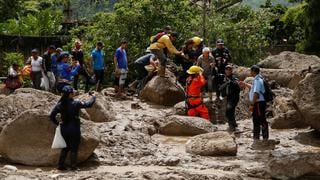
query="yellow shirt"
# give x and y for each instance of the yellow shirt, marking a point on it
(164, 42)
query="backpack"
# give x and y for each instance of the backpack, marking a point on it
(268, 94)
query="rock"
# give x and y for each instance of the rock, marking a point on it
(180, 108)
(102, 110)
(27, 140)
(10, 168)
(294, 165)
(286, 114)
(163, 91)
(212, 144)
(307, 97)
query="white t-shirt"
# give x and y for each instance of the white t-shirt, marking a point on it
(36, 65)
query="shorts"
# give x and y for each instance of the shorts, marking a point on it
(121, 80)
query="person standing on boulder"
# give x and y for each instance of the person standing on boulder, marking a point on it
(258, 104)
(70, 124)
(195, 104)
(97, 57)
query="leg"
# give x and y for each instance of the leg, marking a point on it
(122, 80)
(163, 61)
(85, 74)
(256, 122)
(192, 112)
(63, 156)
(263, 120)
(75, 81)
(230, 114)
(203, 111)
(74, 146)
(210, 87)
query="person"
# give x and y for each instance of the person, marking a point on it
(121, 68)
(142, 73)
(13, 80)
(55, 61)
(158, 47)
(206, 62)
(70, 124)
(97, 57)
(36, 68)
(166, 30)
(198, 45)
(66, 72)
(231, 89)
(47, 66)
(222, 56)
(195, 104)
(258, 104)
(78, 55)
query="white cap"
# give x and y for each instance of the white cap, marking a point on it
(206, 49)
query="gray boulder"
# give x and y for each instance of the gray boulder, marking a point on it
(212, 144)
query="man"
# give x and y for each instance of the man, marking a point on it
(55, 62)
(198, 46)
(78, 55)
(231, 89)
(206, 62)
(121, 68)
(142, 73)
(258, 104)
(97, 57)
(36, 68)
(166, 30)
(158, 47)
(195, 104)
(47, 66)
(221, 55)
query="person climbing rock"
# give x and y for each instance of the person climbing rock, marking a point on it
(70, 124)
(195, 82)
(166, 30)
(158, 47)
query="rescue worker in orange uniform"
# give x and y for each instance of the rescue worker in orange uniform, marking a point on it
(195, 82)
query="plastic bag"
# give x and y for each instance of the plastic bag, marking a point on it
(45, 82)
(51, 80)
(58, 141)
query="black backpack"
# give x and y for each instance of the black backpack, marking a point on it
(268, 94)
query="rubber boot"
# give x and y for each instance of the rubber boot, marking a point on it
(63, 156)
(73, 158)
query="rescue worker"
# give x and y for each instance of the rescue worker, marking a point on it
(70, 124)
(231, 90)
(66, 72)
(195, 104)
(158, 47)
(206, 62)
(166, 30)
(221, 55)
(198, 46)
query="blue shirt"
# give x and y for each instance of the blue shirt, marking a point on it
(54, 65)
(257, 87)
(145, 60)
(65, 71)
(121, 56)
(97, 59)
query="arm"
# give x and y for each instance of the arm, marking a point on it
(54, 113)
(74, 71)
(167, 42)
(88, 104)
(153, 63)
(28, 62)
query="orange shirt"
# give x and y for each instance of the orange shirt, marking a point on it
(194, 89)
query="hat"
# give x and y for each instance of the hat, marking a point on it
(255, 68)
(59, 49)
(194, 70)
(34, 51)
(67, 89)
(197, 41)
(229, 66)
(220, 42)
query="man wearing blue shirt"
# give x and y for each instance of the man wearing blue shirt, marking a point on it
(121, 67)
(258, 104)
(97, 57)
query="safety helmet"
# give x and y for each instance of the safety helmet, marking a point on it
(67, 89)
(197, 41)
(194, 70)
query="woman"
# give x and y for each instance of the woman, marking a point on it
(70, 124)
(36, 68)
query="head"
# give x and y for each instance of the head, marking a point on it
(77, 44)
(173, 36)
(35, 53)
(51, 49)
(220, 44)
(197, 41)
(59, 51)
(189, 44)
(167, 29)
(228, 70)
(206, 52)
(15, 66)
(254, 70)
(65, 57)
(68, 92)
(194, 71)
(124, 44)
(99, 45)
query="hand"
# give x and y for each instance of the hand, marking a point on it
(251, 108)
(117, 71)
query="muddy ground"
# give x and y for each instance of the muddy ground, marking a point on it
(127, 151)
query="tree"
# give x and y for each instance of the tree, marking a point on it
(9, 9)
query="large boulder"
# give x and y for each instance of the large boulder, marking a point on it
(163, 91)
(212, 144)
(101, 111)
(180, 108)
(294, 165)
(184, 126)
(286, 114)
(290, 60)
(27, 139)
(307, 97)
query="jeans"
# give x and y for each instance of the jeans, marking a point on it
(260, 121)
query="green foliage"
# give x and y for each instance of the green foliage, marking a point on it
(9, 9)
(8, 60)
(42, 23)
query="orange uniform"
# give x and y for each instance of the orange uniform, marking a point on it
(195, 104)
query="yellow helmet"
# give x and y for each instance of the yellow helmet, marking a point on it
(194, 70)
(197, 41)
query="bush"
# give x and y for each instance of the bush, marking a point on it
(8, 60)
